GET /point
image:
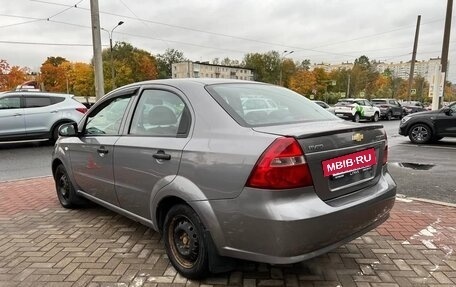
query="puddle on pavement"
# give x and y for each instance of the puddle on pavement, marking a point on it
(415, 166)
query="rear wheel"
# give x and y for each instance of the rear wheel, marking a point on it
(420, 134)
(185, 243)
(65, 190)
(55, 132)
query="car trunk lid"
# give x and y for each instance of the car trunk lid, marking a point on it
(328, 145)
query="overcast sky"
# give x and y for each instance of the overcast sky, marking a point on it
(329, 31)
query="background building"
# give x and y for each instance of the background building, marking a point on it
(205, 70)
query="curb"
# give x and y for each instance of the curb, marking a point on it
(404, 198)
(25, 179)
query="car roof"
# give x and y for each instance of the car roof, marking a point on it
(34, 93)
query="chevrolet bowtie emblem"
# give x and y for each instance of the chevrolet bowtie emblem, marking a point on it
(357, 137)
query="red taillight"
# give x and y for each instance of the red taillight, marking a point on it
(81, 110)
(281, 166)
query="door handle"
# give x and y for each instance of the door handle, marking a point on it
(162, 155)
(17, 115)
(53, 112)
(102, 151)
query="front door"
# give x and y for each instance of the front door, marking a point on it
(148, 157)
(446, 122)
(92, 154)
(12, 122)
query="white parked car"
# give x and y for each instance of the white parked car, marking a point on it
(356, 109)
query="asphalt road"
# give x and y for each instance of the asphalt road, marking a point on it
(426, 171)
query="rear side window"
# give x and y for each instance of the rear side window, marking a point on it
(37, 102)
(259, 105)
(56, 100)
(344, 103)
(162, 114)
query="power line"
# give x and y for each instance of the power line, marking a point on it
(20, 23)
(201, 31)
(45, 43)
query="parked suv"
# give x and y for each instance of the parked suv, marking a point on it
(36, 115)
(389, 108)
(184, 157)
(411, 107)
(424, 127)
(356, 109)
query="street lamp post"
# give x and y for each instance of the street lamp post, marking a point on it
(111, 57)
(284, 53)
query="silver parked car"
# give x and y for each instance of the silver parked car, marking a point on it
(36, 115)
(183, 157)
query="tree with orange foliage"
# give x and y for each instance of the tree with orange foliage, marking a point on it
(303, 82)
(55, 74)
(11, 77)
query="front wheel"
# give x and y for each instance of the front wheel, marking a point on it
(389, 116)
(185, 243)
(356, 118)
(65, 191)
(420, 134)
(375, 117)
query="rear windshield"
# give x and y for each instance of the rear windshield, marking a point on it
(260, 105)
(344, 103)
(378, 101)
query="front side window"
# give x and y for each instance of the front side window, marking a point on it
(107, 119)
(10, 103)
(259, 105)
(37, 102)
(160, 113)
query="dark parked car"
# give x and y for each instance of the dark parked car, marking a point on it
(413, 107)
(389, 108)
(182, 156)
(424, 127)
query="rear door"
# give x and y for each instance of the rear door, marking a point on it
(148, 156)
(12, 121)
(38, 114)
(93, 153)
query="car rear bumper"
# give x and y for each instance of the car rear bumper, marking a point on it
(283, 227)
(344, 115)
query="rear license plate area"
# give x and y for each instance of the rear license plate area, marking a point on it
(356, 165)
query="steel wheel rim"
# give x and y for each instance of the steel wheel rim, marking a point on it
(64, 186)
(184, 240)
(420, 133)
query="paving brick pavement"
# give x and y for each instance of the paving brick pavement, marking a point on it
(42, 244)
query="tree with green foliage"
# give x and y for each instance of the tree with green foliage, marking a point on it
(266, 66)
(131, 65)
(165, 61)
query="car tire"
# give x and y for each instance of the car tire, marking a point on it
(185, 242)
(375, 117)
(356, 118)
(420, 134)
(65, 191)
(389, 116)
(55, 132)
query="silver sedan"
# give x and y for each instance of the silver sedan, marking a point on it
(277, 183)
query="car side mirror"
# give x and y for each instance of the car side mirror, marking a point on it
(68, 130)
(447, 111)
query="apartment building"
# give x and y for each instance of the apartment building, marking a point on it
(425, 69)
(205, 70)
